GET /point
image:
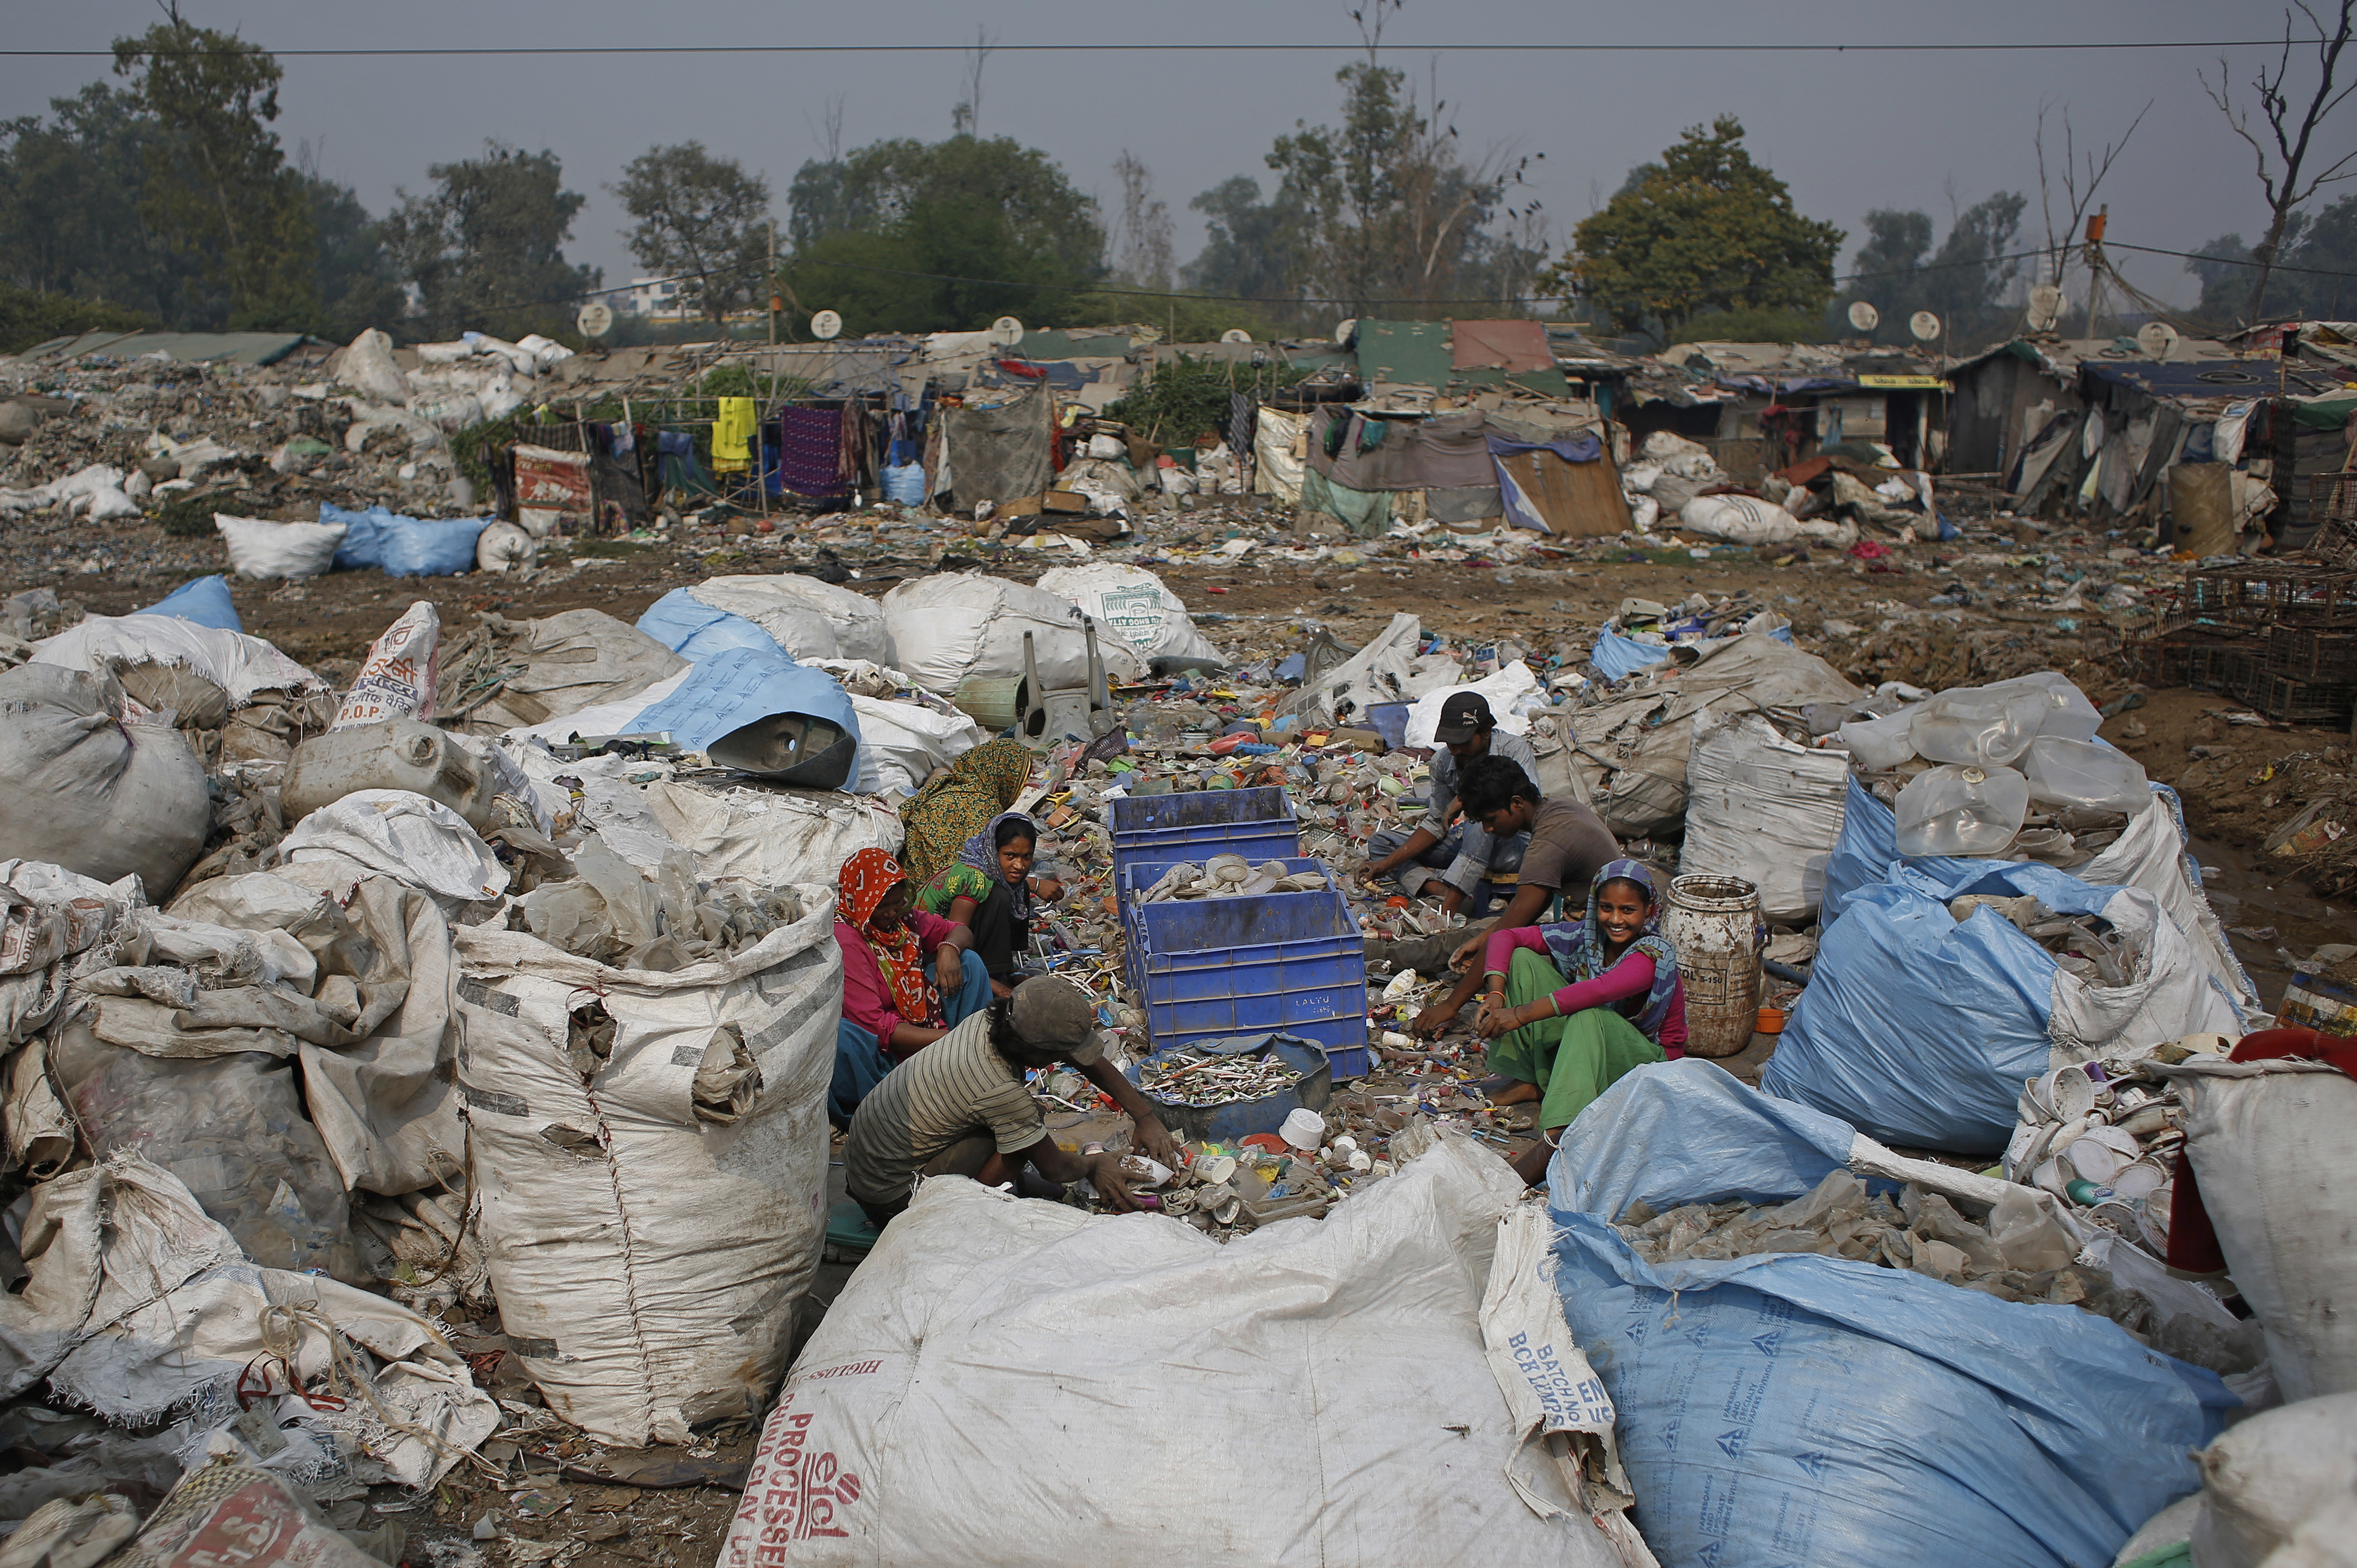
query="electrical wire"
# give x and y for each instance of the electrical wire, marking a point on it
(545, 50)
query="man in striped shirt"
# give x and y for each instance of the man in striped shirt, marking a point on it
(959, 1107)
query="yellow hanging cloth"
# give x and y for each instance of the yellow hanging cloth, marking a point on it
(732, 436)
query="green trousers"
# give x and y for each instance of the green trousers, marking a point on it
(1571, 1059)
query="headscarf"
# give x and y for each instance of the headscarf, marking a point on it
(943, 815)
(866, 877)
(1578, 946)
(981, 853)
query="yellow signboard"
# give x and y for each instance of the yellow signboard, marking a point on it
(1903, 383)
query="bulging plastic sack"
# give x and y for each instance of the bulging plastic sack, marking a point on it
(398, 677)
(2064, 772)
(1969, 811)
(504, 547)
(904, 484)
(1880, 745)
(204, 600)
(1796, 1408)
(422, 547)
(2269, 1484)
(948, 627)
(1981, 726)
(363, 542)
(790, 606)
(1742, 520)
(1136, 603)
(82, 789)
(367, 365)
(259, 548)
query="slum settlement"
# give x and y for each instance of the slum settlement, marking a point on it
(922, 949)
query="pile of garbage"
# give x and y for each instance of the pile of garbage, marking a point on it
(1230, 877)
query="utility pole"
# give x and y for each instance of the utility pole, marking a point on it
(773, 282)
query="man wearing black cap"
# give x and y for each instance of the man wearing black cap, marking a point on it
(959, 1107)
(1465, 855)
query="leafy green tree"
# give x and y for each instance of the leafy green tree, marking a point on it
(357, 283)
(1250, 246)
(924, 237)
(2315, 275)
(485, 248)
(702, 220)
(1709, 230)
(217, 187)
(1967, 283)
(1388, 216)
(70, 224)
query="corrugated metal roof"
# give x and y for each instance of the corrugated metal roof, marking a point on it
(195, 347)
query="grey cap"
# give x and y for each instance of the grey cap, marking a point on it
(1051, 1013)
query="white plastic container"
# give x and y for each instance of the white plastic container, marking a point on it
(1303, 1128)
(2063, 711)
(1880, 745)
(2063, 772)
(1962, 811)
(398, 754)
(1978, 726)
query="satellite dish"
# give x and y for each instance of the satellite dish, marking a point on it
(1925, 325)
(826, 326)
(2157, 339)
(1342, 331)
(596, 319)
(1235, 335)
(1007, 331)
(2046, 306)
(1863, 315)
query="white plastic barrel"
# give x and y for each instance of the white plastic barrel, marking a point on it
(1715, 923)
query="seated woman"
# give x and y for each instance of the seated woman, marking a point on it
(890, 1006)
(1563, 1044)
(955, 804)
(988, 889)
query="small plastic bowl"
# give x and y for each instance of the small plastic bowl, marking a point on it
(1772, 1021)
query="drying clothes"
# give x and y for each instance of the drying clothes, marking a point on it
(809, 451)
(732, 436)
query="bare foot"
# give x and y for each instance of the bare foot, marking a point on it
(1520, 1095)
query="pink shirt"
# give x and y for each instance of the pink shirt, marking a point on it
(1631, 976)
(867, 1000)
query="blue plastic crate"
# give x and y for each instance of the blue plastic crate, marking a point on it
(1215, 968)
(1258, 824)
(1141, 874)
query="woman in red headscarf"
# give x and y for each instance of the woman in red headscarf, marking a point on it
(908, 976)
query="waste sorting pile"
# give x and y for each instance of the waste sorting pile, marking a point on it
(457, 1041)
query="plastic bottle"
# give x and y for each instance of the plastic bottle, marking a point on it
(1880, 745)
(1961, 811)
(2064, 772)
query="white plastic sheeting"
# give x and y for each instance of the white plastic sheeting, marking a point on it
(1013, 1382)
(646, 1261)
(395, 833)
(1510, 693)
(900, 743)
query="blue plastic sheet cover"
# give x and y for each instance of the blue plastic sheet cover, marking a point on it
(1868, 849)
(1918, 1028)
(737, 686)
(430, 547)
(1797, 1409)
(363, 545)
(695, 631)
(204, 600)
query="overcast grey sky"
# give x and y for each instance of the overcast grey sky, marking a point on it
(1848, 133)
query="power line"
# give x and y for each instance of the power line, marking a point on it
(577, 50)
(2228, 261)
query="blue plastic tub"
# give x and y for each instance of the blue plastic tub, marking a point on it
(1227, 1123)
(1255, 823)
(1215, 968)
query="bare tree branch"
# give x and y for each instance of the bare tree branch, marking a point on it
(2284, 179)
